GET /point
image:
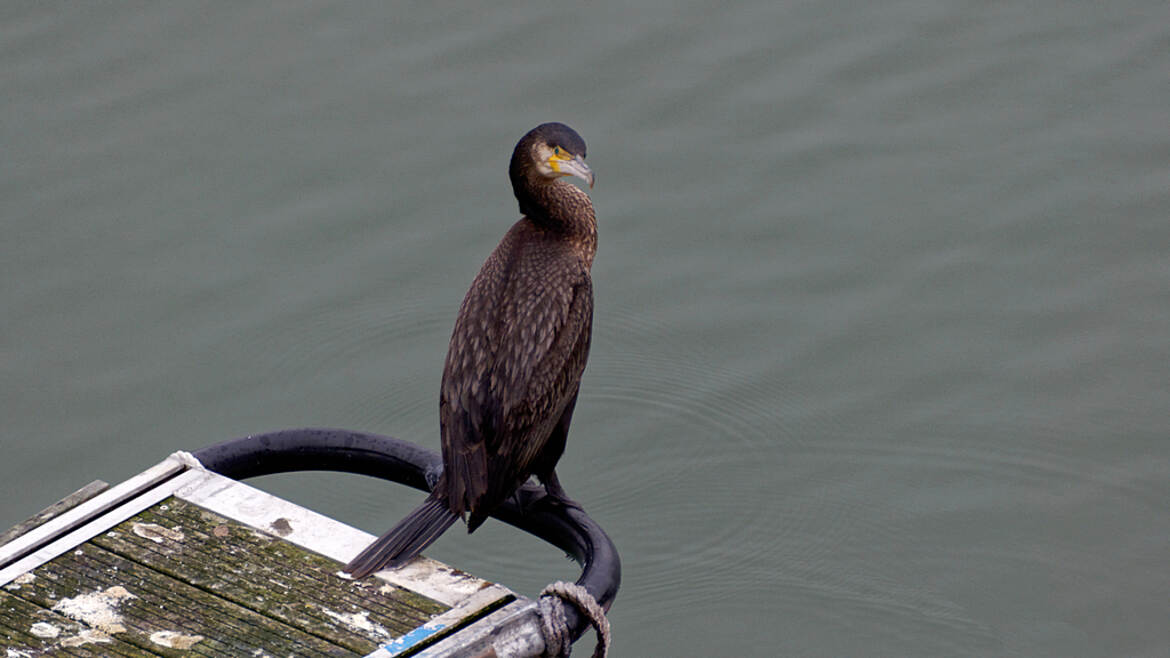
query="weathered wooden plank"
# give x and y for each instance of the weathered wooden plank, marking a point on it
(147, 609)
(146, 570)
(271, 577)
(335, 540)
(28, 630)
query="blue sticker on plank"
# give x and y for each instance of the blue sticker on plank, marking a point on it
(412, 638)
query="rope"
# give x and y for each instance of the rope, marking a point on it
(554, 627)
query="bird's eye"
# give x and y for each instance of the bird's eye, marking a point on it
(556, 150)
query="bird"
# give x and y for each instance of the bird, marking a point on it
(517, 352)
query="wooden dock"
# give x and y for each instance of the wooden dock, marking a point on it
(180, 561)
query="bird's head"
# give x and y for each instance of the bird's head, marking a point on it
(551, 151)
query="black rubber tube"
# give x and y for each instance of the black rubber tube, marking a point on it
(392, 459)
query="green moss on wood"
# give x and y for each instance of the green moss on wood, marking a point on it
(178, 580)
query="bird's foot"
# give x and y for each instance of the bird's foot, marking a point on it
(555, 499)
(531, 498)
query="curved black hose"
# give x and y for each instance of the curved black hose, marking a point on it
(392, 459)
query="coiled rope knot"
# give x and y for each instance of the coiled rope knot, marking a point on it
(555, 628)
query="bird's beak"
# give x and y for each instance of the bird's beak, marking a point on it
(575, 167)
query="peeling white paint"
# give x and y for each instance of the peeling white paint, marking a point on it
(434, 580)
(44, 629)
(97, 609)
(157, 533)
(87, 636)
(360, 621)
(23, 579)
(175, 639)
(17, 653)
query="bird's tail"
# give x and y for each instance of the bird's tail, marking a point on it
(405, 540)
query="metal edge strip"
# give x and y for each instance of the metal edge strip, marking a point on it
(513, 630)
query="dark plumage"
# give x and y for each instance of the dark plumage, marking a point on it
(516, 356)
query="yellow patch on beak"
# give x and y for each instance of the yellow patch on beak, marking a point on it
(563, 163)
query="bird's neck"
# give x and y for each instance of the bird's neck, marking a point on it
(565, 209)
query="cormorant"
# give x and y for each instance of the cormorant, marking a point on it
(516, 356)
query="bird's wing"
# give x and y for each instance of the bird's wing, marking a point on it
(503, 382)
(535, 397)
(466, 410)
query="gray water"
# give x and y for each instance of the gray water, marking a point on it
(881, 360)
